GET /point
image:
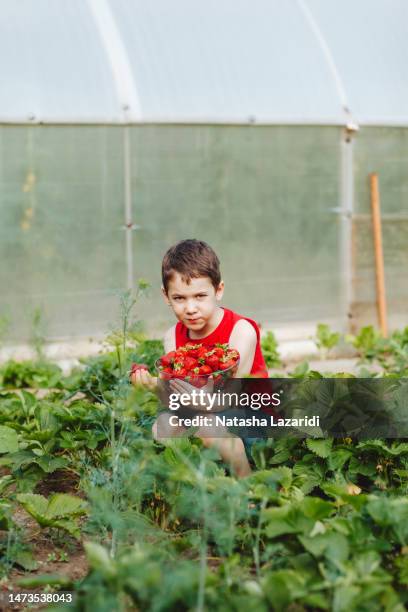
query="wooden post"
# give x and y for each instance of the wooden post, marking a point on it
(378, 250)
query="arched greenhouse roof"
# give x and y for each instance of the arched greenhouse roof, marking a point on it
(219, 61)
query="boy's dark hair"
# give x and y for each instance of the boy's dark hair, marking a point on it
(191, 259)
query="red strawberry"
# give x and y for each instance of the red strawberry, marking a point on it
(202, 352)
(190, 363)
(197, 381)
(178, 365)
(225, 365)
(181, 373)
(205, 370)
(166, 360)
(192, 349)
(167, 373)
(218, 351)
(139, 366)
(212, 361)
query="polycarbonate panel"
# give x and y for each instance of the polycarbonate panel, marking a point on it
(53, 65)
(228, 60)
(385, 151)
(62, 243)
(222, 61)
(368, 40)
(261, 196)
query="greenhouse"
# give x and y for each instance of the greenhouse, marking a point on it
(128, 125)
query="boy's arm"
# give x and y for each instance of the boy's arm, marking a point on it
(169, 340)
(243, 339)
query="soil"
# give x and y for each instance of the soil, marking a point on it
(60, 481)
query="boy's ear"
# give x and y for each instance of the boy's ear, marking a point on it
(220, 291)
(165, 297)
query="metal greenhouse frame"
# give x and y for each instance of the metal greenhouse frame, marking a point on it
(253, 125)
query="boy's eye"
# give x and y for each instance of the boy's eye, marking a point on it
(178, 299)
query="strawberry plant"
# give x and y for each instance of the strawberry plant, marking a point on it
(326, 340)
(320, 524)
(31, 374)
(269, 346)
(61, 511)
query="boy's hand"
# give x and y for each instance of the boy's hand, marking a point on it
(181, 386)
(140, 376)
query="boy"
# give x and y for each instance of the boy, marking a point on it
(192, 287)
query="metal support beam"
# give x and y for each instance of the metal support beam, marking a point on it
(346, 224)
(129, 227)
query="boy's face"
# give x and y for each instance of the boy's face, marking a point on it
(193, 304)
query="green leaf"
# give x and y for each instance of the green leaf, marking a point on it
(278, 521)
(59, 512)
(334, 546)
(290, 518)
(273, 477)
(316, 508)
(337, 458)
(325, 338)
(340, 493)
(8, 440)
(401, 563)
(307, 477)
(344, 597)
(270, 352)
(67, 525)
(392, 513)
(62, 505)
(50, 464)
(283, 587)
(301, 370)
(18, 459)
(5, 481)
(25, 559)
(34, 504)
(6, 522)
(283, 450)
(379, 445)
(43, 580)
(99, 559)
(321, 448)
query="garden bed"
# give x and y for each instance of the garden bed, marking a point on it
(90, 503)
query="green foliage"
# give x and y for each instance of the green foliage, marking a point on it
(59, 512)
(301, 370)
(31, 374)
(326, 339)
(8, 440)
(368, 342)
(148, 352)
(390, 353)
(103, 375)
(321, 524)
(321, 448)
(269, 346)
(38, 437)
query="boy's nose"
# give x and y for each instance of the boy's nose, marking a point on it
(191, 307)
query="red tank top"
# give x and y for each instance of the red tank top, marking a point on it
(221, 334)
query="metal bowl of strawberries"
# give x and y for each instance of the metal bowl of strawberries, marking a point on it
(197, 364)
